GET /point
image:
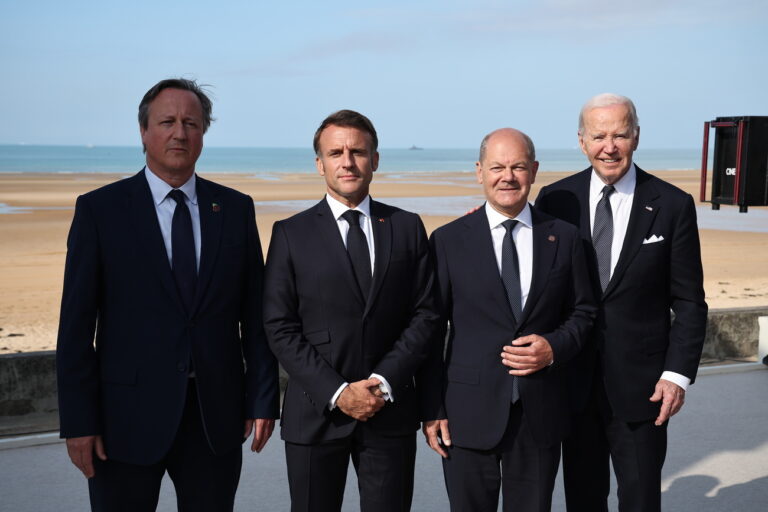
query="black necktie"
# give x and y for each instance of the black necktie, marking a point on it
(183, 250)
(357, 248)
(602, 235)
(510, 275)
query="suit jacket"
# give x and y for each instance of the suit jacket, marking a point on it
(472, 388)
(324, 332)
(132, 385)
(634, 335)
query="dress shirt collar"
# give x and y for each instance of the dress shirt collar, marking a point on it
(160, 189)
(495, 218)
(624, 187)
(338, 208)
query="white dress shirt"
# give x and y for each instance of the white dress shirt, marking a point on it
(621, 206)
(165, 206)
(338, 209)
(522, 234)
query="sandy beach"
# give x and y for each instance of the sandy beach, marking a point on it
(36, 211)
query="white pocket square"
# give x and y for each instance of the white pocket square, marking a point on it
(653, 239)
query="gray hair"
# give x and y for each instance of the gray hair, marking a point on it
(607, 99)
(176, 83)
(530, 149)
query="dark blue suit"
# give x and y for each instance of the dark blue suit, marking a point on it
(132, 386)
(634, 339)
(472, 389)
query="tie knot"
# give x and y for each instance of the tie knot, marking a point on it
(608, 190)
(352, 217)
(177, 195)
(509, 225)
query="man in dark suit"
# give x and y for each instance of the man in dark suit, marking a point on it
(644, 259)
(165, 268)
(512, 282)
(348, 311)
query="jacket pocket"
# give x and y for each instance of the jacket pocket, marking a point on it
(317, 337)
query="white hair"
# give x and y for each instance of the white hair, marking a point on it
(607, 99)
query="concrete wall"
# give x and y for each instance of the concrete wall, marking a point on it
(28, 400)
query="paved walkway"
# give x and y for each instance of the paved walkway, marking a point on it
(717, 461)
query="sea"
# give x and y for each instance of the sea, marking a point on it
(272, 162)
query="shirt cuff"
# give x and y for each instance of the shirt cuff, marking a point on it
(332, 403)
(676, 378)
(384, 387)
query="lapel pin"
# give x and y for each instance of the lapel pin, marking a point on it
(215, 207)
(381, 220)
(551, 238)
(649, 208)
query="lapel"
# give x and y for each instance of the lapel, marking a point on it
(545, 243)
(644, 209)
(582, 192)
(478, 248)
(211, 223)
(328, 230)
(149, 239)
(381, 226)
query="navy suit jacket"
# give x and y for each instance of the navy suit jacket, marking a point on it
(634, 334)
(130, 386)
(324, 332)
(471, 387)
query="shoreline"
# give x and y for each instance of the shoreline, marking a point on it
(34, 241)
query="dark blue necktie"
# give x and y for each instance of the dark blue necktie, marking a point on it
(183, 250)
(602, 235)
(510, 275)
(357, 248)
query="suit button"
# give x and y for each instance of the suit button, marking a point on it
(181, 367)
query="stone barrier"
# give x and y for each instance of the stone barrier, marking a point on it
(28, 402)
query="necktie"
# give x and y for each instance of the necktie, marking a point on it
(183, 250)
(510, 275)
(602, 235)
(357, 248)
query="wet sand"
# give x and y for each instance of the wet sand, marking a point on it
(36, 211)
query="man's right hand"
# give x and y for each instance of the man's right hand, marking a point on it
(360, 399)
(80, 450)
(438, 436)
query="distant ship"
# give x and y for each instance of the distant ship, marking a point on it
(415, 148)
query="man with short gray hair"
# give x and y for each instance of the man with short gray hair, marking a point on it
(644, 259)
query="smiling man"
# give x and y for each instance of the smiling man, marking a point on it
(512, 282)
(349, 313)
(162, 361)
(644, 259)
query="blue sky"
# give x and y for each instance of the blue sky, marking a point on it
(435, 73)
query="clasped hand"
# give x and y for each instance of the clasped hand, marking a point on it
(361, 399)
(527, 354)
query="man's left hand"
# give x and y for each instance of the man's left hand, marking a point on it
(672, 398)
(527, 355)
(262, 430)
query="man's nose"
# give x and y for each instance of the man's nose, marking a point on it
(179, 131)
(346, 159)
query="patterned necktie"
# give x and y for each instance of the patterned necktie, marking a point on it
(510, 275)
(183, 250)
(357, 248)
(602, 235)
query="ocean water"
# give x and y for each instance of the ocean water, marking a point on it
(275, 161)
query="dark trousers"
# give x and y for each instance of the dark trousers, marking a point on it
(524, 471)
(636, 449)
(317, 473)
(204, 481)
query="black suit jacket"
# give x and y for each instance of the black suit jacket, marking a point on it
(634, 335)
(324, 332)
(131, 386)
(475, 390)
